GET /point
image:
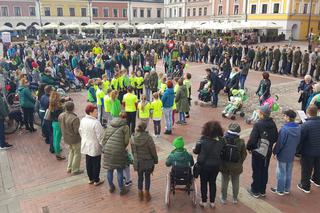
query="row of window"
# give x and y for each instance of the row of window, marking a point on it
(16, 11)
(276, 8)
(175, 13)
(142, 14)
(194, 11)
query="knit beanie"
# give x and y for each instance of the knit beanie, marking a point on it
(178, 142)
(234, 128)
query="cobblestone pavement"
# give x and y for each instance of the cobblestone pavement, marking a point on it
(32, 180)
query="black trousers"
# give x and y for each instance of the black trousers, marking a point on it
(28, 117)
(147, 180)
(260, 168)
(157, 127)
(208, 175)
(93, 165)
(131, 119)
(309, 164)
(312, 69)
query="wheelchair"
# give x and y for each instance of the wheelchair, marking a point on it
(180, 179)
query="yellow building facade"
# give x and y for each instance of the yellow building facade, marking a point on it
(291, 15)
(64, 11)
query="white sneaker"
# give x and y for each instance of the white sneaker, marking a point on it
(235, 201)
(203, 205)
(212, 205)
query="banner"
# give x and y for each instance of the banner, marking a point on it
(6, 37)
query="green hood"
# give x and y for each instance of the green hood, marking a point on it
(178, 143)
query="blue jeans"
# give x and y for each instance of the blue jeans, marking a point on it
(148, 92)
(2, 137)
(284, 176)
(242, 79)
(119, 177)
(214, 98)
(168, 118)
(182, 117)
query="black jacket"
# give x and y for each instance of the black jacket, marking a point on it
(264, 125)
(264, 88)
(310, 137)
(209, 152)
(216, 82)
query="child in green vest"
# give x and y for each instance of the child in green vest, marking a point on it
(156, 109)
(91, 94)
(139, 84)
(105, 83)
(144, 108)
(187, 82)
(100, 101)
(115, 105)
(107, 105)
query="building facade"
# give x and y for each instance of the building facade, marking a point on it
(145, 11)
(64, 11)
(200, 10)
(228, 9)
(109, 11)
(175, 11)
(18, 12)
(291, 15)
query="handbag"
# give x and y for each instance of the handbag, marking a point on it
(47, 115)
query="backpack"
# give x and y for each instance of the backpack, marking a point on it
(263, 145)
(230, 151)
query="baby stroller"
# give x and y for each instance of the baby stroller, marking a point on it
(176, 69)
(235, 104)
(204, 91)
(73, 81)
(180, 176)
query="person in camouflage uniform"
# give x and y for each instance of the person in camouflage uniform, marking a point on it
(251, 56)
(297, 59)
(257, 59)
(263, 59)
(239, 50)
(284, 58)
(317, 68)
(289, 61)
(276, 60)
(313, 59)
(269, 59)
(305, 64)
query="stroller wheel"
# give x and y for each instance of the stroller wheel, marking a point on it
(233, 117)
(242, 114)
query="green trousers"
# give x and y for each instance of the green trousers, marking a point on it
(56, 137)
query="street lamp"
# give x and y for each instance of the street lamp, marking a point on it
(40, 18)
(90, 10)
(309, 23)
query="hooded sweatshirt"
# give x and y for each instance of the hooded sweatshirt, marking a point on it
(168, 98)
(288, 140)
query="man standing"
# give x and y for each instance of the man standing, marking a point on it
(251, 56)
(263, 130)
(313, 58)
(269, 59)
(245, 66)
(284, 151)
(4, 112)
(216, 86)
(297, 58)
(276, 60)
(310, 150)
(305, 64)
(70, 124)
(130, 102)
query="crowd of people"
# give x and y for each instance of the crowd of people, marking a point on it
(123, 85)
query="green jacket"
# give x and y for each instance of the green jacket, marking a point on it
(47, 80)
(115, 141)
(180, 158)
(115, 108)
(25, 97)
(4, 109)
(143, 148)
(182, 99)
(235, 168)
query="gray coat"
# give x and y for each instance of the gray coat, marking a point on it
(115, 141)
(182, 99)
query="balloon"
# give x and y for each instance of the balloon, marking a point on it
(275, 107)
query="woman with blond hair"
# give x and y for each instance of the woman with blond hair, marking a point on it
(55, 109)
(27, 102)
(144, 108)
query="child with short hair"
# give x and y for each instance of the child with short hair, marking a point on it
(115, 105)
(139, 84)
(144, 108)
(105, 83)
(187, 83)
(91, 94)
(156, 108)
(107, 106)
(100, 101)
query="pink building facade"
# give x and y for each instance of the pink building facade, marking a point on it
(228, 9)
(13, 13)
(109, 11)
(198, 10)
